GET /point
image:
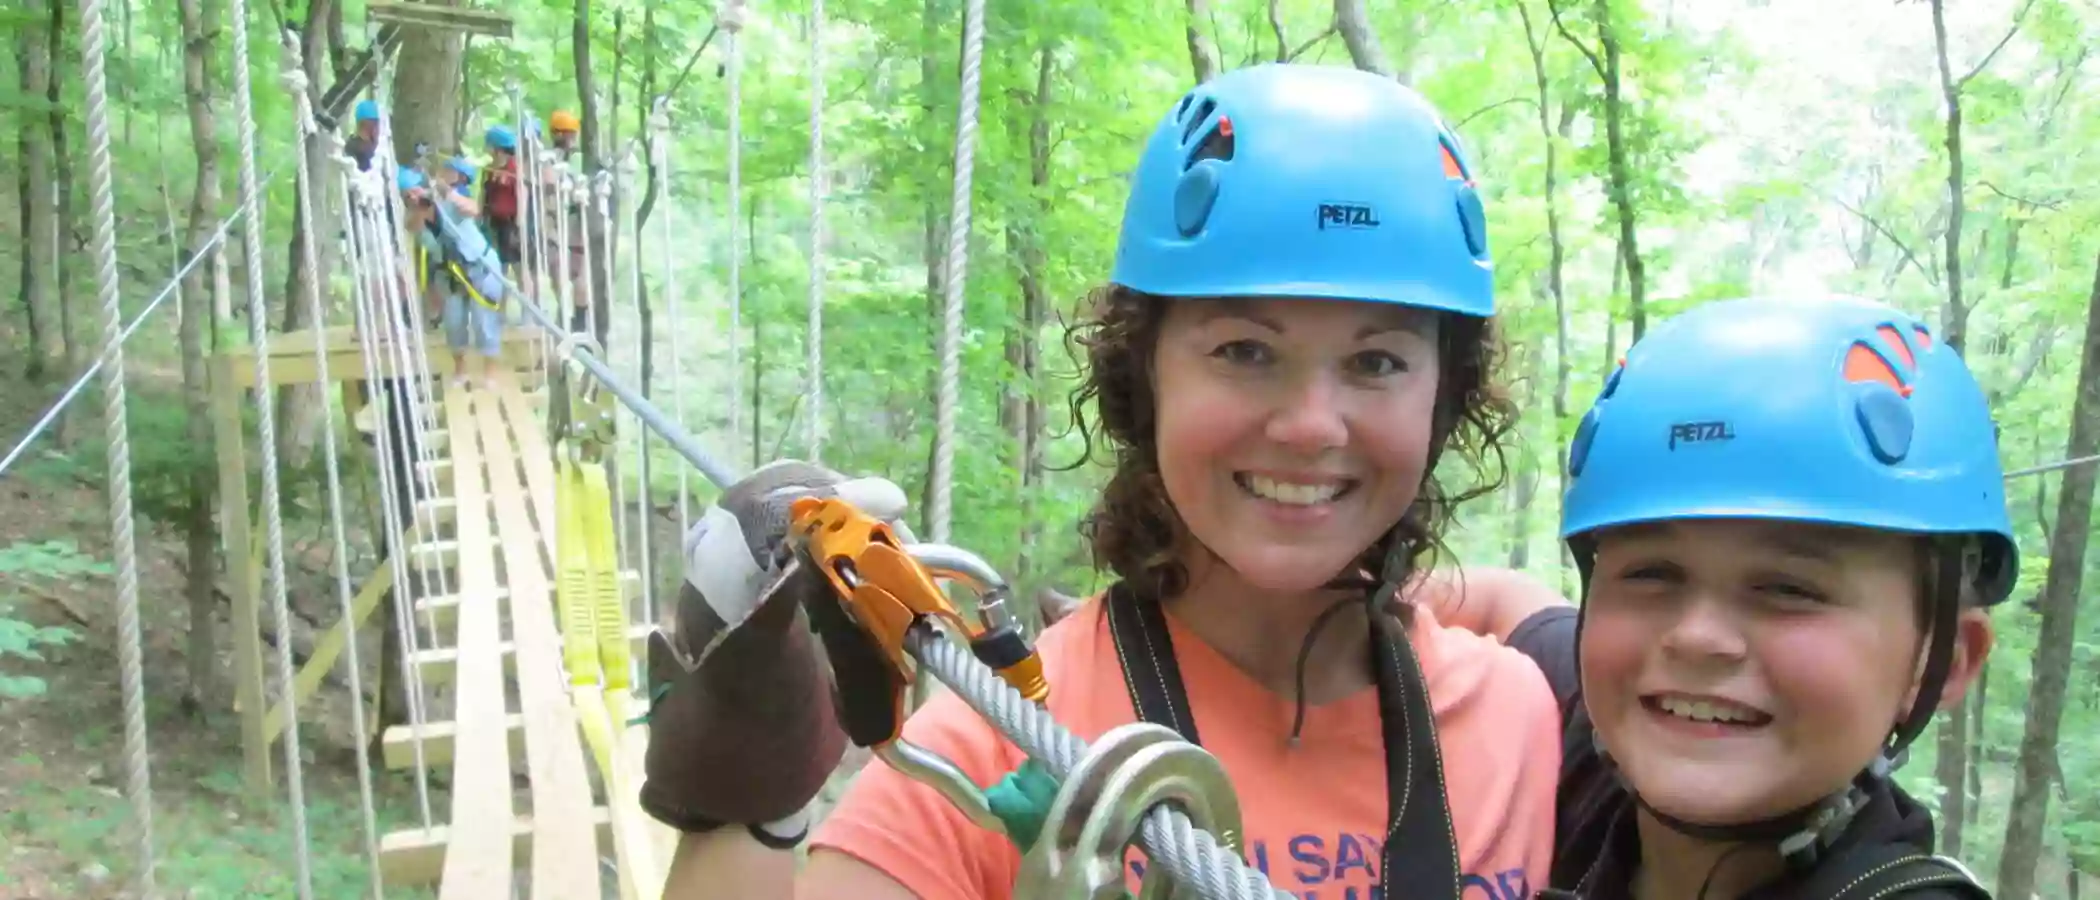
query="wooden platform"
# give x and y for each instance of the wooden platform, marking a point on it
(292, 358)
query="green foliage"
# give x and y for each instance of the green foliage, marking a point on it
(33, 564)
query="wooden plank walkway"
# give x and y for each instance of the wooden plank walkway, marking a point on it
(503, 511)
(561, 788)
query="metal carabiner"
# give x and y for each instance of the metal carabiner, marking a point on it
(1106, 796)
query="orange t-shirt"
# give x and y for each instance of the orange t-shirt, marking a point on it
(1314, 815)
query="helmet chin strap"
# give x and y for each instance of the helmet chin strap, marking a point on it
(1802, 834)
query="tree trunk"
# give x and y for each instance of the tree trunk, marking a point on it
(46, 346)
(1203, 55)
(2036, 768)
(425, 102)
(62, 211)
(1954, 318)
(1360, 38)
(1557, 246)
(1034, 304)
(1621, 174)
(592, 144)
(424, 110)
(934, 220)
(200, 24)
(1526, 469)
(299, 406)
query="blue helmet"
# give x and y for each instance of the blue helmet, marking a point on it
(465, 167)
(502, 138)
(407, 179)
(1309, 181)
(1834, 410)
(368, 110)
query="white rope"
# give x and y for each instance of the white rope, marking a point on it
(302, 111)
(638, 434)
(943, 474)
(590, 190)
(411, 366)
(732, 22)
(138, 787)
(815, 365)
(660, 140)
(559, 195)
(266, 427)
(365, 241)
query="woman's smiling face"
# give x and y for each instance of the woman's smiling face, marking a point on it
(1741, 669)
(1293, 433)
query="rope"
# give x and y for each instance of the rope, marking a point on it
(266, 426)
(303, 114)
(366, 233)
(943, 474)
(138, 786)
(815, 373)
(731, 21)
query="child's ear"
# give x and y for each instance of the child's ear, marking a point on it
(1973, 637)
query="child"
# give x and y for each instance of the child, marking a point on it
(1790, 522)
(1295, 330)
(459, 175)
(362, 145)
(461, 267)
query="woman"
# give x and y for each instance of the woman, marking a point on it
(1295, 331)
(1790, 521)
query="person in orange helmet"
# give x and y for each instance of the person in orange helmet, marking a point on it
(583, 228)
(566, 128)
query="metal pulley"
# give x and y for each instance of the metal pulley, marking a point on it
(1094, 820)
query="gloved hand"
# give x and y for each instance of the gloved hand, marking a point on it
(742, 727)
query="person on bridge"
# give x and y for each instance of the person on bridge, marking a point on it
(499, 195)
(365, 142)
(459, 175)
(1296, 331)
(460, 267)
(584, 228)
(1778, 597)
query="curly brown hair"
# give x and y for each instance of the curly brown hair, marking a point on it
(1134, 530)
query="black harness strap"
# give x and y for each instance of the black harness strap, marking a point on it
(1882, 871)
(1421, 848)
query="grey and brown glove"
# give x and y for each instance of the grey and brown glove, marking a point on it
(742, 725)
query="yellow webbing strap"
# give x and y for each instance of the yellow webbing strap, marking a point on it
(592, 608)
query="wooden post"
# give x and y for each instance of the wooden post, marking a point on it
(235, 530)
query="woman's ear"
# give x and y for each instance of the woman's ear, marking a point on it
(1973, 638)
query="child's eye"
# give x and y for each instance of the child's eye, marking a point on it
(1377, 364)
(1652, 574)
(1779, 589)
(1243, 352)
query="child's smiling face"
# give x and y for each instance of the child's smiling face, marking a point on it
(1739, 669)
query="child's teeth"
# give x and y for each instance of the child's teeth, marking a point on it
(1286, 492)
(1701, 711)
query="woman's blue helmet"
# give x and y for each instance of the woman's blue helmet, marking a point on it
(407, 179)
(463, 166)
(368, 110)
(502, 138)
(1835, 410)
(1307, 181)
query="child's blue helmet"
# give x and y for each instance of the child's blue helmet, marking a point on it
(1307, 181)
(502, 138)
(368, 110)
(1835, 410)
(463, 166)
(407, 179)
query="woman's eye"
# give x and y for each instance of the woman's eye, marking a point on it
(1243, 352)
(1377, 364)
(1651, 573)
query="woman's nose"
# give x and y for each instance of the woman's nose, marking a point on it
(1309, 416)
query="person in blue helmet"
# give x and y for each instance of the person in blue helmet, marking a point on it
(1790, 523)
(457, 264)
(1297, 329)
(362, 145)
(499, 193)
